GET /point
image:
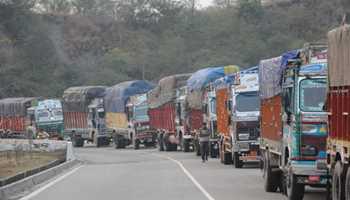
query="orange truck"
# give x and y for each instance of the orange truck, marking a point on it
(223, 123)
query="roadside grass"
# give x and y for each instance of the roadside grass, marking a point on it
(14, 162)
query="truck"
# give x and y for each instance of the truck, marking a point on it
(187, 120)
(119, 120)
(162, 110)
(201, 99)
(245, 117)
(49, 117)
(137, 110)
(338, 108)
(223, 94)
(293, 122)
(80, 116)
(16, 115)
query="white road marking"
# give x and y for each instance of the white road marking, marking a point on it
(41, 189)
(189, 175)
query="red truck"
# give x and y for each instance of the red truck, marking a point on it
(162, 110)
(338, 106)
(15, 115)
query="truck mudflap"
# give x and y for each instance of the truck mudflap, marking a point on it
(308, 174)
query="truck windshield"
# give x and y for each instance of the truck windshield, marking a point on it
(141, 113)
(247, 102)
(312, 95)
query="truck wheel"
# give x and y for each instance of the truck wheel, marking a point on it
(119, 142)
(338, 187)
(174, 147)
(99, 142)
(347, 185)
(137, 144)
(186, 144)
(294, 190)
(79, 142)
(237, 162)
(227, 158)
(270, 179)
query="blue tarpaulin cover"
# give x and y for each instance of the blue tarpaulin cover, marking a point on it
(294, 54)
(200, 79)
(224, 81)
(116, 97)
(203, 77)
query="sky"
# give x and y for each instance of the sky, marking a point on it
(205, 3)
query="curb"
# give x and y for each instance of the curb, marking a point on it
(16, 188)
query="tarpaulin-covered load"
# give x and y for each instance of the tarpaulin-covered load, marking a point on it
(269, 77)
(77, 99)
(165, 91)
(200, 79)
(16, 106)
(339, 56)
(116, 97)
(224, 81)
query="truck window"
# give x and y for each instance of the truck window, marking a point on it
(312, 95)
(288, 100)
(247, 102)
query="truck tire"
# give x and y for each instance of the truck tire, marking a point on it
(186, 144)
(237, 162)
(270, 179)
(338, 186)
(347, 185)
(78, 142)
(119, 142)
(174, 147)
(227, 158)
(294, 190)
(137, 144)
(99, 142)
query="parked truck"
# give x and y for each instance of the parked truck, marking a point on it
(223, 113)
(80, 117)
(201, 99)
(49, 117)
(162, 110)
(118, 116)
(137, 110)
(245, 130)
(16, 115)
(293, 123)
(338, 107)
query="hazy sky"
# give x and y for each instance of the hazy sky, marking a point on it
(205, 3)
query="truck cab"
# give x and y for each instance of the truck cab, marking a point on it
(140, 131)
(245, 129)
(304, 127)
(49, 117)
(97, 124)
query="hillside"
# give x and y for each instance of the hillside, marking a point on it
(44, 51)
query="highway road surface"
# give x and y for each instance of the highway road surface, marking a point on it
(107, 173)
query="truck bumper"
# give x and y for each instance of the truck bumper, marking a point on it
(308, 174)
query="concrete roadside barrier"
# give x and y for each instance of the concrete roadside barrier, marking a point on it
(16, 189)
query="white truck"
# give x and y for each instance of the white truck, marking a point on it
(245, 129)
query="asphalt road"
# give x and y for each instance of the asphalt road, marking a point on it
(108, 173)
